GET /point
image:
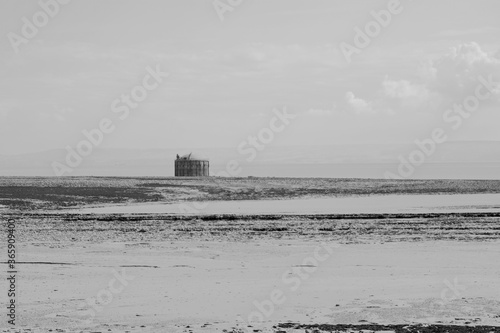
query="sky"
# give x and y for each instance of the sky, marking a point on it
(223, 80)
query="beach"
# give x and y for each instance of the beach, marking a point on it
(251, 272)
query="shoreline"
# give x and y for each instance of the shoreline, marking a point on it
(211, 285)
(429, 271)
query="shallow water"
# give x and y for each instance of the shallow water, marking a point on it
(343, 205)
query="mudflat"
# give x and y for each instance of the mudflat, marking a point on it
(426, 272)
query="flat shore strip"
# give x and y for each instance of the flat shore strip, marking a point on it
(423, 272)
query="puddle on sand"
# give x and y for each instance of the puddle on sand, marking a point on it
(338, 205)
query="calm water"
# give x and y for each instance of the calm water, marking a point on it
(300, 170)
(345, 205)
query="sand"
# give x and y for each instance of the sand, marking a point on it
(203, 282)
(208, 285)
(256, 273)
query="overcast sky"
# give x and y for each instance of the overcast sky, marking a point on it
(225, 77)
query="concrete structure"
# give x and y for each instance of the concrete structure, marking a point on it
(191, 166)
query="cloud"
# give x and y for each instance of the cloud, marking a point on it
(358, 105)
(407, 95)
(457, 72)
(272, 58)
(439, 83)
(403, 89)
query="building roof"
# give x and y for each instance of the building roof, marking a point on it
(193, 157)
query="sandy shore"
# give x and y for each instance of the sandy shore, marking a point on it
(213, 275)
(255, 273)
(208, 285)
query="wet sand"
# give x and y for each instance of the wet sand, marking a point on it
(255, 273)
(179, 284)
(208, 275)
(385, 204)
(40, 193)
(207, 286)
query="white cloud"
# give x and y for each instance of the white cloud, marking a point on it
(403, 89)
(358, 105)
(457, 72)
(408, 95)
(441, 81)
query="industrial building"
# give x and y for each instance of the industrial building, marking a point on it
(191, 166)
